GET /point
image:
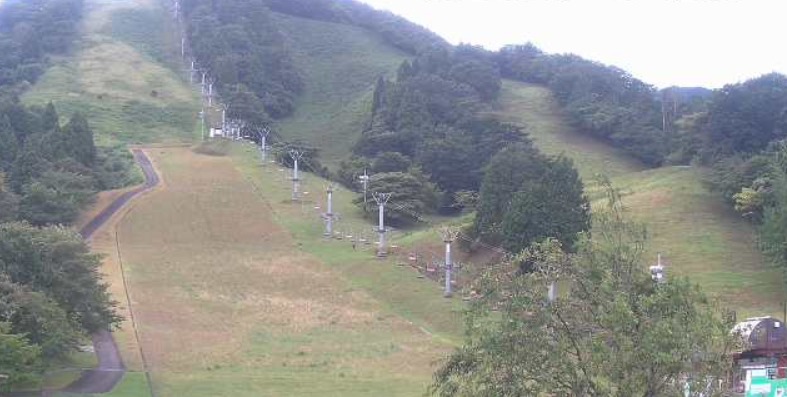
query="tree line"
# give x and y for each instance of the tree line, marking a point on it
(51, 293)
(238, 45)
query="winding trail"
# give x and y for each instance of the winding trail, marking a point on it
(110, 369)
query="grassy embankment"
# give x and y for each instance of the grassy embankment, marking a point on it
(697, 233)
(340, 66)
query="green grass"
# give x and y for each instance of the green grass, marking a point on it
(340, 66)
(133, 384)
(121, 76)
(258, 303)
(699, 235)
(398, 287)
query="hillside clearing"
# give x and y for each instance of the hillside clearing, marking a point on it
(695, 231)
(340, 65)
(248, 313)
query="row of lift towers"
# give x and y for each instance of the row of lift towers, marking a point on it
(235, 129)
(381, 200)
(756, 330)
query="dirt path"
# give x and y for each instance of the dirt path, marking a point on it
(110, 369)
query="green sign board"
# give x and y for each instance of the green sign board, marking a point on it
(762, 386)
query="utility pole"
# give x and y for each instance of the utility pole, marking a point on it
(365, 180)
(295, 155)
(202, 84)
(329, 211)
(191, 72)
(381, 199)
(182, 47)
(449, 235)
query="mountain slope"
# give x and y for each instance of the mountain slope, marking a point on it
(698, 235)
(340, 64)
(116, 76)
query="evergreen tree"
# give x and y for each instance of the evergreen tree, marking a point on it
(79, 140)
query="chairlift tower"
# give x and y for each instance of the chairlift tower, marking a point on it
(295, 155)
(449, 236)
(329, 210)
(224, 108)
(263, 143)
(202, 122)
(365, 181)
(210, 92)
(381, 199)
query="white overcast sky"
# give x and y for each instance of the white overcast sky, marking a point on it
(663, 42)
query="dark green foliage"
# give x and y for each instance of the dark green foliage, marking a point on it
(552, 206)
(390, 162)
(351, 169)
(56, 197)
(310, 156)
(19, 359)
(39, 319)
(610, 331)
(394, 29)
(412, 195)
(603, 101)
(241, 48)
(29, 31)
(744, 118)
(115, 168)
(431, 116)
(78, 140)
(9, 202)
(527, 197)
(56, 262)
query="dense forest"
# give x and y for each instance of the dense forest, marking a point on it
(51, 294)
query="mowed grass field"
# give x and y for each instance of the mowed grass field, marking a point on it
(236, 293)
(340, 66)
(122, 76)
(697, 233)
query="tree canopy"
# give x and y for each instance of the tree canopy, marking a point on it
(526, 197)
(610, 330)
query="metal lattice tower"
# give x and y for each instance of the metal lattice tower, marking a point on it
(381, 199)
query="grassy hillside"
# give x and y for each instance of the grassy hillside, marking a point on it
(340, 64)
(258, 303)
(119, 76)
(695, 231)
